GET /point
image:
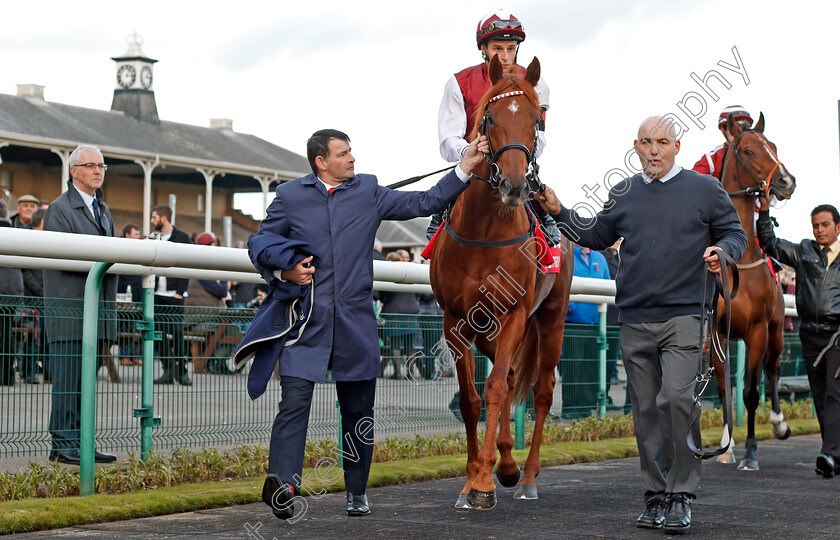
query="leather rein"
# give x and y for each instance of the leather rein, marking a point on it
(706, 368)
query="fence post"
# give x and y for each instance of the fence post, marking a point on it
(146, 411)
(739, 383)
(90, 342)
(602, 359)
(519, 427)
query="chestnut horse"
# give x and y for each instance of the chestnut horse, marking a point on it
(485, 277)
(752, 166)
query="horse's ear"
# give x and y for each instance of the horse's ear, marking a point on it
(759, 126)
(532, 74)
(734, 127)
(496, 70)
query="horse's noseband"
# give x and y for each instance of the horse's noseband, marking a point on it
(532, 174)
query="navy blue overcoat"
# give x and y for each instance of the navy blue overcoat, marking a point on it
(341, 226)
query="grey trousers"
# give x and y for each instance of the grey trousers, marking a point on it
(661, 360)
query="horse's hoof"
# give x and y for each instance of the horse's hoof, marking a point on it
(748, 465)
(461, 503)
(481, 500)
(783, 431)
(509, 480)
(526, 491)
(726, 457)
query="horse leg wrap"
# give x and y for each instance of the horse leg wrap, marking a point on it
(781, 430)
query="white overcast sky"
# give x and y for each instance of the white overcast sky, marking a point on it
(376, 70)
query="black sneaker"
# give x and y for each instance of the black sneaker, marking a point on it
(827, 466)
(654, 515)
(678, 514)
(279, 496)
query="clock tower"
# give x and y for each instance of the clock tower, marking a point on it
(134, 92)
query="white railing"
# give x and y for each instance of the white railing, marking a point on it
(24, 248)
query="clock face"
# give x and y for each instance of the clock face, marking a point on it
(146, 77)
(126, 76)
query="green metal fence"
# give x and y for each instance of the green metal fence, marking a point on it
(416, 393)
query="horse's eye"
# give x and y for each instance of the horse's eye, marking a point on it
(748, 152)
(489, 120)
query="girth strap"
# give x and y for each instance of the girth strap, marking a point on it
(490, 243)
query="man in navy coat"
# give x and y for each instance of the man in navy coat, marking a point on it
(337, 213)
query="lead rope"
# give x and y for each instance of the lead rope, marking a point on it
(707, 330)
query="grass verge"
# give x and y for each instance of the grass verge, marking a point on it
(34, 514)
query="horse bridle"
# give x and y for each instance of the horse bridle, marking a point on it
(532, 174)
(761, 186)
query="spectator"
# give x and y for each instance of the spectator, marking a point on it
(242, 293)
(34, 346)
(43, 204)
(429, 318)
(11, 288)
(400, 331)
(79, 210)
(377, 250)
(26, 206)
(169, 294)
(133, 285)
(817, 298)
(210, 294)
(614, 346)
(135, 282)
(579, 360)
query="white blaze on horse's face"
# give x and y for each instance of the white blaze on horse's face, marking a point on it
(513, 107)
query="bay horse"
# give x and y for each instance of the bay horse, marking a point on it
(752, 166)
(485, 277)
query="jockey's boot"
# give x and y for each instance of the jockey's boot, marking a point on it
(549, 225)
(437, 219)
(551, 230)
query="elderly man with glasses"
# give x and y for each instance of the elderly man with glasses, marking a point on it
(79, 210)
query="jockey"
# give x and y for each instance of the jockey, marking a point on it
(498, 34)
(712, 162)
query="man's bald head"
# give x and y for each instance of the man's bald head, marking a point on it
(657, 124)
(657, 145)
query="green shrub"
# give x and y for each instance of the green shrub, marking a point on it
(246, 461)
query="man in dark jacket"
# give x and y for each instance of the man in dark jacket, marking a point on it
(336, 213)
(11, 288)
(26, 206)
(33, 290)
(672, 220)
(818, 305)
(169, 295)
(79, 210)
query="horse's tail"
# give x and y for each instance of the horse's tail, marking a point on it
(525, 363)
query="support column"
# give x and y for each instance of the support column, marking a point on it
(265, 182)
(148, 166)
(65, 166)
(209, 175)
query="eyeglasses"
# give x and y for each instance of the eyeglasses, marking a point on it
(500, 25)
(92, 166)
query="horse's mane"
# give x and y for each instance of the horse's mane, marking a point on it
(508, 82)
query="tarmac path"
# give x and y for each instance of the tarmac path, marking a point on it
(784, 500)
